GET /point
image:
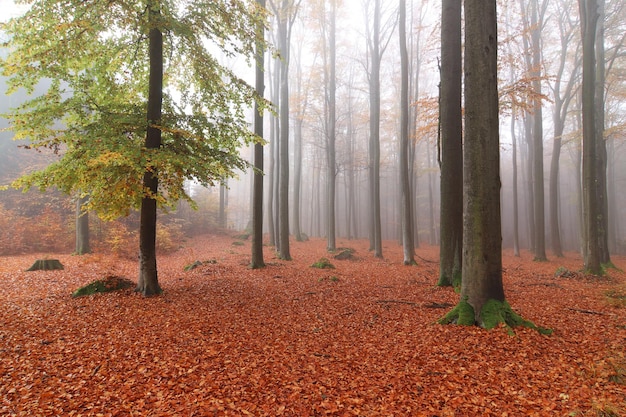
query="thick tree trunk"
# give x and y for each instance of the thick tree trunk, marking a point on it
(148, 283)
(482, 238)
(451, 210)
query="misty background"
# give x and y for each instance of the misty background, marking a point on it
(37, 221)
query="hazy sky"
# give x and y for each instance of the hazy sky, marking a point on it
(8, 9)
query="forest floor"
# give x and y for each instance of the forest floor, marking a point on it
(293, 340)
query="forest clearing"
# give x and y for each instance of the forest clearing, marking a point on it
(291, 339)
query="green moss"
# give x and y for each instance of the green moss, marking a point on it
(495, 312)
(444, 281)
(492, 314)
(323, 263)
(463, 314)
(108, 284)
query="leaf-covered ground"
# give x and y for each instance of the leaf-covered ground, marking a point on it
(293, 340)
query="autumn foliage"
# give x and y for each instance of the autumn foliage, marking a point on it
(360, 339)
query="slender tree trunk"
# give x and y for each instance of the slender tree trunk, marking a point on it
(451, 186)
(528, 151)
(515, 198)
(82, 226)
(257, 191)
(297, 178)
(332, 125)
(148, 283)
(601, 155)
(374, 142)
(431, 198)
(222, 221)
(272, 162)
(589, 17)
(555, 232)
(530, 194)
(407, 210)
(539, 193)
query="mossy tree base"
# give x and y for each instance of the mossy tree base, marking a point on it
(46, 265)
(493, 313)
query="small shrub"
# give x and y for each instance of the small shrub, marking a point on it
(562, 272)
(323, 263)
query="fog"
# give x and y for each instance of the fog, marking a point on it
(308, 104)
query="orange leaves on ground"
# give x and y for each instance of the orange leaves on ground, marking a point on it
(292, 340)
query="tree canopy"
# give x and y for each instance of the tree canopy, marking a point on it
(93, 115)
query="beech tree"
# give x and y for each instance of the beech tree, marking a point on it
(451, 211)
(110, 112)
(407, 211)
(482, 292)
(257, 192)
(591, 210)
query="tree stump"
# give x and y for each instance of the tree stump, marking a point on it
(46, 265)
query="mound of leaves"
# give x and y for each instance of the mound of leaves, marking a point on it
(109, 284)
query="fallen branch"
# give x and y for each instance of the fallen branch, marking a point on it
(427, 260)
(396, 302)
(580, 310)
(437, 305)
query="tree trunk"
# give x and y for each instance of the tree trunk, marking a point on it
(284, 28)
(82, 226)
(601, 155)
(407, 211)
(539, 193)
(331, 138)
(515, 199)
(221, 216)
(271, 192)
(148, 283)
(482, 238)
(589, 17)
(555, 233)
(559, 114)
(451, 209)
(257, 199)
(374, 142)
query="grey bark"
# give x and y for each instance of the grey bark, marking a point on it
(591, 249)
(451, 186)
(482, 246)
(257, 191)
(407, 211)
